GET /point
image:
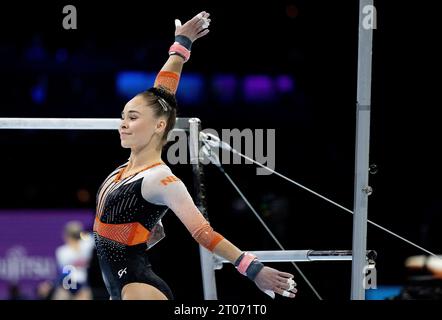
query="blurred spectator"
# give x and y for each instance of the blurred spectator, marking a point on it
(73, 260)
(424, 281)
(425, 265)
(15, 292)
(424, 272)
(45, 290)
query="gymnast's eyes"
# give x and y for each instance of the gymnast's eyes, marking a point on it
(130, 118)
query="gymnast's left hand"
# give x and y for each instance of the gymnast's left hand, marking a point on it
(276, 281)
(195, 28)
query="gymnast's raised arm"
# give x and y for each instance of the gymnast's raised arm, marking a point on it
(179, 52)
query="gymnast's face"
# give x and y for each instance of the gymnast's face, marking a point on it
(139, 126)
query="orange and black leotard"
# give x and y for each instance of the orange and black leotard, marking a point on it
(128, 221)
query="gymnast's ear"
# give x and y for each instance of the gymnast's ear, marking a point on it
(160, 125)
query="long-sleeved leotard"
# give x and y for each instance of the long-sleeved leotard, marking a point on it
(128, 222)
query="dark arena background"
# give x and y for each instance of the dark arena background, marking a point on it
(290, 66)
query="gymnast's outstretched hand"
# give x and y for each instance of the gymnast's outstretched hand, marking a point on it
(269, 279)
(195, 28)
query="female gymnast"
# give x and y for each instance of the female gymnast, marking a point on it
(135, 196)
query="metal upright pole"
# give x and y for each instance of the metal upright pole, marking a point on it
(362, 189)
(206, 257)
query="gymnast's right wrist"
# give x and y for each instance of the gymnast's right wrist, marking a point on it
(248, 265)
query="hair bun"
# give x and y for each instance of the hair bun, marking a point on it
(166, 94)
